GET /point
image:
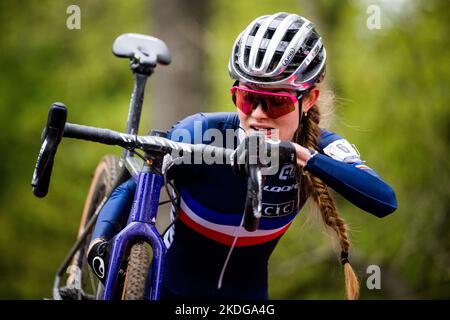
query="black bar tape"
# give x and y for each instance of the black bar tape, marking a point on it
(287, 153)
(104, 136)
(284, 151)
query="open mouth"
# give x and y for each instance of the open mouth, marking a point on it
(268, 132)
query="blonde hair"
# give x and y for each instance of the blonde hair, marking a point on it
(308, 135)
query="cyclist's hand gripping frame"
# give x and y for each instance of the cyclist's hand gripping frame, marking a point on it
(254, 154)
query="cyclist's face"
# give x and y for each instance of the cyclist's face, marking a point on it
(285, 126)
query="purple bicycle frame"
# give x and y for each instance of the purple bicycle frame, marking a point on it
(141, 225)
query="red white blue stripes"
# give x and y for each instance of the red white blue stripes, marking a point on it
(224, 228)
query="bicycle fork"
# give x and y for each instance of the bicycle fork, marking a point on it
(140, 226)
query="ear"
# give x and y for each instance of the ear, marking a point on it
(310, 99)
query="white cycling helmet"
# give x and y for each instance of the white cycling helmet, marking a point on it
(281, 50)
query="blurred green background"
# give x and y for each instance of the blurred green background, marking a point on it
(392, 101)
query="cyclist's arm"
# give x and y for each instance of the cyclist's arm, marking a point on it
(340, 167)
(114, 214)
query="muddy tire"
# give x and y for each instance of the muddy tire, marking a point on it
(136, 272)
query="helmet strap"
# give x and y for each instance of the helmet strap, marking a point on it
(300, 105)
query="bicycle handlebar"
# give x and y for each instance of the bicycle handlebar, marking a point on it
(57, 128)
(145, 143)
(253, 206)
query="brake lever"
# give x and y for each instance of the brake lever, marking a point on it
(253, 204)
(255, 181)
(51, 138)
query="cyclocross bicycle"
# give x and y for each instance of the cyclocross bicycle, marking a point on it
(137, 254)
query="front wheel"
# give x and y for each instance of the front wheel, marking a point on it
(81, 276)
(136, 272)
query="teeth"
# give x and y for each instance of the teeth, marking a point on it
(265, 131)
(261, 129)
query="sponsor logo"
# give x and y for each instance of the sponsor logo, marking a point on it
(289, 57)
(288, 171)
(275, 210)
(280, 188)
(99, 267)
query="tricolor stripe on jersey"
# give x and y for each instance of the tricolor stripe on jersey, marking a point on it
(224, 228)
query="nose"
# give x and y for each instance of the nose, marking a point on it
(259, 111)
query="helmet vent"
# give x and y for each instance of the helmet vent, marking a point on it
(289, 35)
(246, 55)
(269, 34)
(275, 60)
(259, 58)
(254, 30)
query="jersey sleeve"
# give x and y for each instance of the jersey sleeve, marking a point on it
(114, 214)
(188, 130)
(202, 128)
(339, 165)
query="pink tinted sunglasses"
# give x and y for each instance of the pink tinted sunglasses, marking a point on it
(274, 104)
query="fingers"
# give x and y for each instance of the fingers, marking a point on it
(303, 155)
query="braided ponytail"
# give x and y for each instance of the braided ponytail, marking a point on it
(308, 135)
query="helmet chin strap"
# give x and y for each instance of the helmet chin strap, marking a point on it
(300, 106)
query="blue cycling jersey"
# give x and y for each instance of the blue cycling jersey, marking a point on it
(207, 246)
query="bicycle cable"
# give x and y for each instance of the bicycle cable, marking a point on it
(175, 202)
(133, 151)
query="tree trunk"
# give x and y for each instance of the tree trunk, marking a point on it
(179, 89)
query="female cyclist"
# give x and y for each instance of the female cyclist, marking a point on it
(277, 63)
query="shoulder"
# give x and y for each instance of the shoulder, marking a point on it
(200, 122)
(337, 147)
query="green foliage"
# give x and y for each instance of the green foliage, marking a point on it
(392, 102)
(42, 62)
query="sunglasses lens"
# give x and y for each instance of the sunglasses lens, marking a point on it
(245, 101)
(279, 106)
(274, 105)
